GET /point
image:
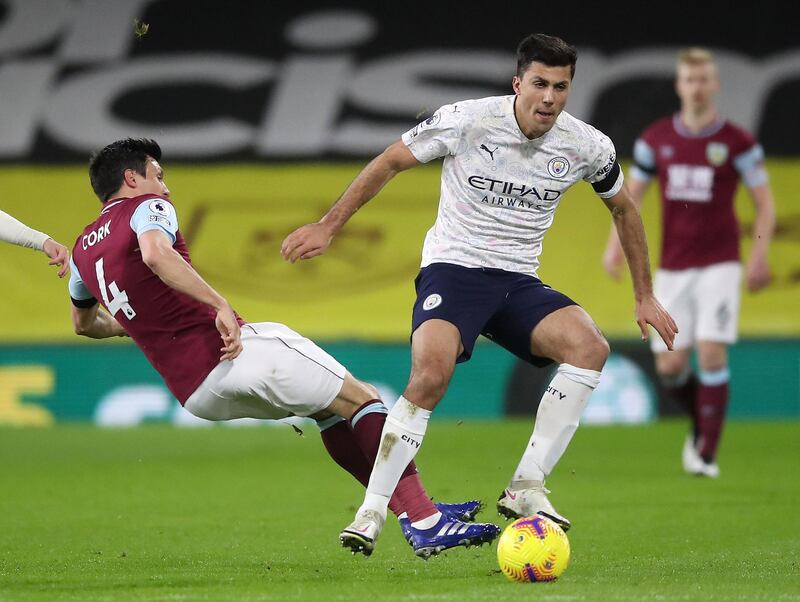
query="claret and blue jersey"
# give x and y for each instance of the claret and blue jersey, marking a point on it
(698, 174)
(176, 333)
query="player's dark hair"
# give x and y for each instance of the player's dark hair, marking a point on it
(107, 167)
(545, 49)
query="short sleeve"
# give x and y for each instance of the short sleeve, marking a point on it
(435, 137)
(604, 173)
(80, 295)
(644, 161)
(750, 165)
(155, 214)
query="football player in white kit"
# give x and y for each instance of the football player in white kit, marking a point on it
(508, 160)
(14, 231)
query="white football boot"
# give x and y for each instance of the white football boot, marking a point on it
(709, 469)
(361, 534)
(694, 464)
(527, 502)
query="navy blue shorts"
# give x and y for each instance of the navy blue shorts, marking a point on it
(502, 306)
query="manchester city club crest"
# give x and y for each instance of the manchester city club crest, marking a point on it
(716, 153)
(432, 301)
(558, 167)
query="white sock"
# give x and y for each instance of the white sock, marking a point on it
(556, 421)
(402, 436)
(427, 523)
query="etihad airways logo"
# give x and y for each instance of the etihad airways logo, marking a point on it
(511, 194)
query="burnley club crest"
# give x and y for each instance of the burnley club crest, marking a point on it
(716, 153)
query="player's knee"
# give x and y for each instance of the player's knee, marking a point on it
(366, 392)
(601, 348)
(672, 377)
(353, 394)
(372, 391)
(590, 351)
(207, 411)
(712, 360)
(428, 384)
(672, 367)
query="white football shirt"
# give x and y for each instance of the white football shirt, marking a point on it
(499, 189)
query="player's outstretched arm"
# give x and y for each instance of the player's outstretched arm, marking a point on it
(313, 239)
(95, 323)
(167, 264)
(15, 232)
(758, 273)
(632, 238)
(614, 256)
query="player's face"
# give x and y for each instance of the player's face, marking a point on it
(153, 182)
(541, 95)
(697, 85)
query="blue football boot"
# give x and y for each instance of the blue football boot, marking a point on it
(465, 512)
(450, 533)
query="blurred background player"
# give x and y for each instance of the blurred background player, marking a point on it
(699, 158)
(14, 231)
(507, 162)
(134, 259)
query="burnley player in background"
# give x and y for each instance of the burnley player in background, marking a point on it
(134, 260)
(699, 158)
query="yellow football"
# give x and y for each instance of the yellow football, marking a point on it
(533, 549)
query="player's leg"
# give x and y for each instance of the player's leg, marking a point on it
(570, 338)
(342, 444)
(428, 532)
(712, 402)
(681, 384)
(280, 369)
(717, 296)
(678, 379)
(434, 348)
(281, 373)
(366, 415)
(573, 341)
(452, 305)
(447, 317)
(675, 291)
(541, 325)
(409, 501)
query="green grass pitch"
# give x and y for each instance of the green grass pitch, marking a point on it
(159, 513)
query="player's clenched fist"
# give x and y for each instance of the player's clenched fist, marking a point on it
(307, 242)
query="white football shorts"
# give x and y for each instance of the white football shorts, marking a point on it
(279, 373)
(703, 301)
